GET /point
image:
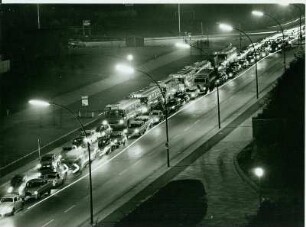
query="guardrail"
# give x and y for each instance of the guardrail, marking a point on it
(47, 148)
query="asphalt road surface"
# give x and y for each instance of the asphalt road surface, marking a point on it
(118, 173)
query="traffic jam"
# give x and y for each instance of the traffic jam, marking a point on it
(132, 117)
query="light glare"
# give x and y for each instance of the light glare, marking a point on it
(130, 57)
(124, 69)
(257, 13)
(36, 102)
(259, 172)
(225, 27)
(182, 45)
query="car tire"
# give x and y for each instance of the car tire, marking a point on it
(13, 212)
(49, 192)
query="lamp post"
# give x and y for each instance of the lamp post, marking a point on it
(41, 103)
(227, 27)
(218, 100)
(259, 172)
(300, 17)
(130, 70)
(260, 14)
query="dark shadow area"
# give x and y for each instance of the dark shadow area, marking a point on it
(179, 203)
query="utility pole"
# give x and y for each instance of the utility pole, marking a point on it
(201, 28)
(38, 17)
(179, 18)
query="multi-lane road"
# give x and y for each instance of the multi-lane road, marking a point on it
(128, 169)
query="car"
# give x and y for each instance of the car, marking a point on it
(193, 92)
(56, 178)
(157, 116)
(36, 188)
(104, 146)
(202, 89)
(17, 184)
(183, 96)
(145, 118)
(244, 63)
(173, 105)
(137, 128)
(50, 160)
(104, 129)
(118, 139)
(79, 141)
(90, 136)
(9, 204)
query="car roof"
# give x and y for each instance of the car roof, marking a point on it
(9, 196)
(35, 180)
(136, 122)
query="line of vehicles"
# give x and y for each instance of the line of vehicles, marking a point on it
(133, 117)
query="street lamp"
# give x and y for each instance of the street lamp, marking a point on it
(259, 172)
(42, 103)
(300, 16)
(260, 14)
(131, 69)
(129, 57)
(226, 27)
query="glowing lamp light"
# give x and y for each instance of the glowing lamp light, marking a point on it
(129, 57)
(36, 102)
(257, 13)
(182, 45)
(225, 27)
(259, 172)
(10, 189)
(38, 166)
(104, 122)
(125, 131)
(124, 69)
(136, 130)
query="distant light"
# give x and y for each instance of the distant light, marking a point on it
(225, 27)
(182, 45)
(124, 68)
(284, 3)
(257, 13)
(36, 102)
(259, 172)
(104, 122)
(129, 57)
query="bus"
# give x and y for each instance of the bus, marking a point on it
(119, 114)
(150, 96)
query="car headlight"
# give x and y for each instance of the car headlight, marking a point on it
(36, 192)
(38, 166)
(121, 121)
(104, 122)
(156, 119)
(103, 134)
(230, 74)
(192, 95)
(144, 109)
(115, 141)
(136, 130)
(125, 131)
(10, 189)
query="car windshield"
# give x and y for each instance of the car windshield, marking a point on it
(34, 184)
(46, 158)
(7, 200)
(190, 89)
(135, 125)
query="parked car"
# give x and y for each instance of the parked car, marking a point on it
(36, 188)
(145, 118)
(91, 136)
(173, 105)
(9, 204)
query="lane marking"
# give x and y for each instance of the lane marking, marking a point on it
(70, 208)
(47, 223)
(122, 172)
(186, 129)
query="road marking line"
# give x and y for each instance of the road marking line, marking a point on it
(122, 172)
(47, 223)
(70, 208)
(186, 129)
